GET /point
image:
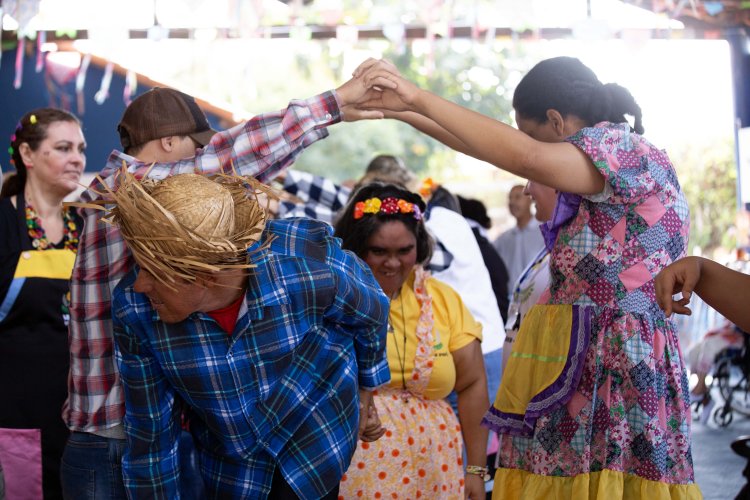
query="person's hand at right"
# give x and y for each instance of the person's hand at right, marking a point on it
(353, 113)
(679, 277)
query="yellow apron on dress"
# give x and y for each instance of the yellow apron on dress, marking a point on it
(544, 368)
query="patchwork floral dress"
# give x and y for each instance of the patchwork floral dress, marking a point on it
(593, 403)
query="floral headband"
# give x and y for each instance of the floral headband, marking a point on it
(388, 206)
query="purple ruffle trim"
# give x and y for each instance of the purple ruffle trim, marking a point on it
(565, 209)
(556, 394)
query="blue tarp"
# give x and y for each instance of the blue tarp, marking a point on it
(99, 120)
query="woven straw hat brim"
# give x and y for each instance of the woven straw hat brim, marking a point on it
(172, 243)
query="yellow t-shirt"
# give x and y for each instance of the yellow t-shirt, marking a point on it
(454, 328)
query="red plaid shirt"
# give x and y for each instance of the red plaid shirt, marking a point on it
(260, 147)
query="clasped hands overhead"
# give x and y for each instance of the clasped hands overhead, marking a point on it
(377, 90)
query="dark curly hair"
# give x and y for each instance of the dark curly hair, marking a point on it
(355, 233)
(570, 87)
(32, 134)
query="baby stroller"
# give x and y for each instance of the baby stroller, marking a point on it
(731, 375)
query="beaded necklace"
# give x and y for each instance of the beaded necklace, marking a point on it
(39, 238)
(401, 361)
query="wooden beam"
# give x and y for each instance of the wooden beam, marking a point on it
(322, 32)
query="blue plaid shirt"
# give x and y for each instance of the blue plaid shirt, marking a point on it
(281, 390)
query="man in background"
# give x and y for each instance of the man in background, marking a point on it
(518, 245)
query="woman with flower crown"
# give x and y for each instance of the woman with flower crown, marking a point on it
(38, 243)
(433, 347)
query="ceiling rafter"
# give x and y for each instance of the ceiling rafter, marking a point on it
(322, 32)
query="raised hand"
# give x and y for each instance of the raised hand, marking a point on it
(391, 91)
(369, 63)
(354, 92)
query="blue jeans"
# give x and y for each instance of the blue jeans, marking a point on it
(92, 467)
(493, 369)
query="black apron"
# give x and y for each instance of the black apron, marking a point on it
(34, 360)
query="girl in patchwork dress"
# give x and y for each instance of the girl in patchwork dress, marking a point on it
(433, 347)
(593, 402)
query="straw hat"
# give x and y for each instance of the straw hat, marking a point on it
(189, 224)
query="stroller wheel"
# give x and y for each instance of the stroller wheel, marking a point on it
(723, 416)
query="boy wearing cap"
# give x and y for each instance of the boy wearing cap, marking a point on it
(163, 133)
(264, 330)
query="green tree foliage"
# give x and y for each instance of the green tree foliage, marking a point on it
(708, 175)
(476, 75)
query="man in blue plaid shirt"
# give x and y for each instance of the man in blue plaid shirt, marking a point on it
(265, 334)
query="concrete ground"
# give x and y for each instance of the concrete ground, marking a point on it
(718, 469)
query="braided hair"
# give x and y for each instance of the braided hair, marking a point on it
(567, 85)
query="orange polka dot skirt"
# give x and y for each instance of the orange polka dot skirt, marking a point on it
(418, 457)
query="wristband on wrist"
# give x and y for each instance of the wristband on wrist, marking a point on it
(478, 470)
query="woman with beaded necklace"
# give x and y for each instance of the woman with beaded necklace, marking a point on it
(433, 347)
(38, 243)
